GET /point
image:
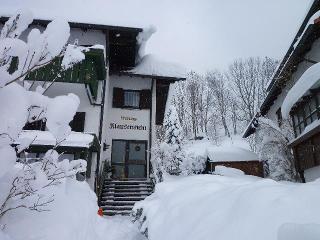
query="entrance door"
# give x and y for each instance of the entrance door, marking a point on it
(129, 159)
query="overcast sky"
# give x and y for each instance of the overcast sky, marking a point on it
(200, 34)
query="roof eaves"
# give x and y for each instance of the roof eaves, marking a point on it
(43, 22)
(173, 79)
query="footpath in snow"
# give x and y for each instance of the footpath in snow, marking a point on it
(119, 228)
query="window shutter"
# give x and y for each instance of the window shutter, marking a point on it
(77, 124)
(145, 99)
(118, 98)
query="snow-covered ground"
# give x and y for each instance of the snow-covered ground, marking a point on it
(228, 208)
(119, 228)
(72, 216)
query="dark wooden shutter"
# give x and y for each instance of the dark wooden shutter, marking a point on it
(118, 98)
(145, 99)
(77, 124)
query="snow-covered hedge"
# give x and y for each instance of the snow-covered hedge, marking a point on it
(225, 208)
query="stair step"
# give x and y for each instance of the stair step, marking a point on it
(127, 181)
(112, 212)
(124, 194)
(117, 208)
(128, 186)
(118, 203)
(123, 198)
(139, 190)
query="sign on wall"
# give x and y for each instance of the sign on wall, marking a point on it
(114, 125)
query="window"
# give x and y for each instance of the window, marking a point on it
(77, 124)
(36, 125)
(305, 112)
(131, 99)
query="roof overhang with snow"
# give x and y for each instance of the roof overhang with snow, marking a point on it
(150, 66)
(231, 154)
(45, 139)
(305, 37)
(164, 78)
(85, 26)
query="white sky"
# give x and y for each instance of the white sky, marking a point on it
(200, 34)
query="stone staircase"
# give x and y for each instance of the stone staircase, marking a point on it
(118, 197)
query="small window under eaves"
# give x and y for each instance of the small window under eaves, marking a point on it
(122, 50)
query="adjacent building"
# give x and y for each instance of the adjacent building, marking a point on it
(295, 91)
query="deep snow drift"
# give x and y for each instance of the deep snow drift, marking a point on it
(72, 216)
(228, 208)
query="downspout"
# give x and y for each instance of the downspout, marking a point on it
(100, 130)
(102, 109)
(150, 126)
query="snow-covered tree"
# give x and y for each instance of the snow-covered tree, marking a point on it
(173, 137)
(274, 151)
(22, 184)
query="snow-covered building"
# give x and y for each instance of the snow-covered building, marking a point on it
(294, 94)
(122, 99)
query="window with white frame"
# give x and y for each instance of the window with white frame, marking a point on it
(131, 98)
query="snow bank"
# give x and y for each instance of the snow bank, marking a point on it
(207, 207)
(312, 174)
(293, 231)
(152, 66)
(228, 171)
(308, 79)
(72, 216)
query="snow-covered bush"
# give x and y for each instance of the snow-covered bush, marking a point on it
(274, 151)
(193, 164)
(21, 184)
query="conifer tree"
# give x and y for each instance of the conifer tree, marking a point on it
(171, 147)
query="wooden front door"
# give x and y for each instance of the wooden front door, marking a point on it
(129, 159)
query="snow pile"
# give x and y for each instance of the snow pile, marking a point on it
(142, 40)
(72, 215)
(72, 55)
(308, 79)
(151, 65)
(299, 231)
(216, 207)
(227, 171)
(29, 189)
(74, 139)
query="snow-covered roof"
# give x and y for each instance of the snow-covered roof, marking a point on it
(151, 65)
(231, 154)
(87, 12)
(236, 150)
(75, 139)
(308, 80)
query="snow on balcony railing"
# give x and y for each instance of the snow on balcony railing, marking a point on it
(75, 139)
